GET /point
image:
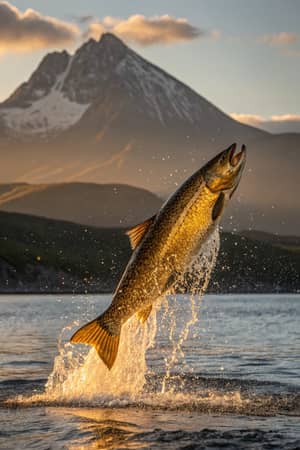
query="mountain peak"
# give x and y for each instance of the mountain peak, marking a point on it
(107, 44)
(91, 65)
(107, 41)
(110, 39)
(89, 44)
(41, 81)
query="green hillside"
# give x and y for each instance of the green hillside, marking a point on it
(85, 257)
(290, 242)
(45, 255)
(253, 265)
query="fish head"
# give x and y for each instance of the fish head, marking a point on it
(223, 172)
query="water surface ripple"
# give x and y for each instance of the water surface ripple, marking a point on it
(233, 383)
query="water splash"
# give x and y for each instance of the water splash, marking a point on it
(195, 280)
(79, 376)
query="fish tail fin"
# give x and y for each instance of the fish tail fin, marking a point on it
(98, 333)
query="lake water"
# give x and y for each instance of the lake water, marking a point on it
(223, 372)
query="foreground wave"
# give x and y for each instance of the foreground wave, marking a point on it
(190, 393)
(120, 428)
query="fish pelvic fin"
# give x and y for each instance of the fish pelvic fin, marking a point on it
(98, 333)
(143, 314)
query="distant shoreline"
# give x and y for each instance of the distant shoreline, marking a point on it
(45, 256)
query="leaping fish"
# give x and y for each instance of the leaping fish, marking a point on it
(163, 246)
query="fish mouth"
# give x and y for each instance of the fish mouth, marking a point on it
(224, 171)
(236, 159)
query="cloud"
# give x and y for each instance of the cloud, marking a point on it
(286, 118)
(148, 31)
(29, 30)
(248, 119)
(281, 123)
(254, 119)
(279, 39)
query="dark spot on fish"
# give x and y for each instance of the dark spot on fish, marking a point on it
(218, 208)
(171, 280)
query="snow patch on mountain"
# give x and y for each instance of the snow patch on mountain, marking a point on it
(52, 113)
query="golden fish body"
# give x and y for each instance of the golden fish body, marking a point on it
(172, 240)
(163, 246)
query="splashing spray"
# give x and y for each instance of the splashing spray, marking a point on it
(79, 376)
(195, 281)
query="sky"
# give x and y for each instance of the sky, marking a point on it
(242, 56)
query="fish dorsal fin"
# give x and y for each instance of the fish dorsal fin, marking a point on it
(137, 233)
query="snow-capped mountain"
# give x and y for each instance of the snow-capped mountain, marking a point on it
(65, 86)
(106, 115)
(61, 89)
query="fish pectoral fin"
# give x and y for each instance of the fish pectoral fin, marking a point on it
(137, 233)
(96, 333)
(143, 314)
(219, 206)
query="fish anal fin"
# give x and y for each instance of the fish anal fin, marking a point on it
(104, 342)
(137, 233)
(143, 314)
